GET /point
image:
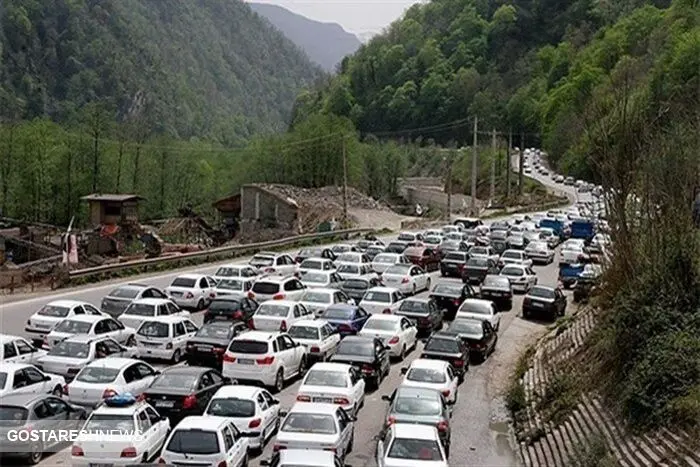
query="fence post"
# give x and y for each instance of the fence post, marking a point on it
(12, 284)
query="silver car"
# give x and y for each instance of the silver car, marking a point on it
(118, 299)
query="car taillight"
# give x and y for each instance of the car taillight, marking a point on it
(344, 327)
(390, 420)
(222, 464)
(387, 311)
(251, 323)
(251, 295)
(278, 447)
(456, 302)
(65, 389)
(77, 451)
(189, 295)
(218, 349)
(212, 294)
(255, 423)
(446, 392)
(303, 398)
(341, 401)
(443, 426)
(283, 326)
(128, 452)
(269, 270)
(169, 346)
(314, 349)
(366, 368)
(238, 314)
(278, 296)
(189, 402)
(109, 393)
(394, 340)
(228, 358)
(265, 361)
(405, 280)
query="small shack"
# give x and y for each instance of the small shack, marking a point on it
(111, 209)
(229, 213)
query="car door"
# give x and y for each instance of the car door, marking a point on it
(286, 355)
(180, 335)
(113, 348)
(383, 443)
(26, 352)
(357, 383)
(201, 290)
(160, 429)
(345, 429)
(117, 331)
(532, 277)
(489, 335)
(235, 453)
(142, 375)
(265, 414)
(190, 329)
(495, 316)
(173, 309)
(331, 339)
(289, 264)
(206, 387)
(382, 356)
(273, 407)
(361, 317)
(409, 332)
(37, 382)
(454, 381)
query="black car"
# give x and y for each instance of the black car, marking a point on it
(450, 296)
(356, 287)
(499, 246)
(498, 290)
(231, 309)
(499, 225)
(544, 301)
(583, 289)
(450, 348)
(477, 268)
(369, 354)
(307, 253)
(478, 334)
(208, 345)
(373, 251)
(453, 263)
(424, 312)
(396, 247)
(449, 246)
(180, 391)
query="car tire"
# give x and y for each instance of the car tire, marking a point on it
(279, 381)
(402, 355)
(200, 304)
(427, 285)
(36, 454)
(176, 356)
(414, 290)
(301, 371)
(57, 391)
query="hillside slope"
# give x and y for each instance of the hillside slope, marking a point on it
(212, 69)
(324, 43)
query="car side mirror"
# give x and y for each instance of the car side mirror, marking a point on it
(265, 462)
(275, 402)
(46, 378)
(404, 370)
(283, 413)
(157, 373)
(227, 380)
(450, 403)
(386, 398)
(386, 347)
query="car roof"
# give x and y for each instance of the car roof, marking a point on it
(385, 317)
(113, 362)
(519, 266)
(418, 299)
(541, 287)
(313, 407)
(242, 391)
(191, 276)
(271, 254)
(87, 318)
(418, 391)
(414, 430)
(477, 301)
(331, 366)
(261, 336)
(287, 303)
(383, 289)
(12, 367)
(389, 253)
(321, 289)
(132, 286)
(323, 260)
(121, 410)
(169, 319)
(444, 335)
(429, 363)
(314, 323)
(202, 421)
(150, 301)
(67, 303)
(307, 457)
(234, 266)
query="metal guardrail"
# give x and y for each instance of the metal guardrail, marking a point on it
(287, 241)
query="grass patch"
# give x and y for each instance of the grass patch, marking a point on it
(593, 454)
(515, 398)
(560, 397)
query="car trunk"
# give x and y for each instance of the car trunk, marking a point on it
(495, 293)
(355, 294)
(166, 401)
(87, 394)
(420, 318)
(114, 306)
(540, 303)
(106, 446)
(444, 356)
(268, 323)
(375, 307)
(472, 272)
(67, 367)
(45, 323)
(323, 394)
(207, 348)
(180, 292)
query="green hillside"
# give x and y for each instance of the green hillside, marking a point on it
(185, 68)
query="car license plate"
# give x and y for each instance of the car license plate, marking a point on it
(537, 305)
(245, 361)
(165, 403)
(205, 348)
(323, 400)
(101, 465)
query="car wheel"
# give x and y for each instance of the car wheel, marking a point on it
(279, 381)
(35, 454)
(176, 356)
(427, 285)
(131, 341)
(200, 304)
(402, 355)
(57, 391)
(302, 367)
(414, 289)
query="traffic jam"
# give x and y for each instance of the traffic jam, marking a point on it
(201, 367)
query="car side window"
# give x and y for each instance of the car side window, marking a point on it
(23, 347)
(173, 308)
(143, 421)
(111, 346)
(203, 284)
(101, 327)
(56, 406)
(450, 374)
(179, 329)
(143, 371)
(78, 310)
(131, 374)
(41, 411)
(9, 350)
(114, 325)
(206, 381)
(360, 313)
(288, 342)
(190, 327)
(152, 415)
(91, 310)
(33, 376)
(162, 310)
(261, 402)
(215, 378)
(355, 376)
(343, 420)
(280, 344)
(228, 439)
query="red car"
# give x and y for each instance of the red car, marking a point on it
(426, 258)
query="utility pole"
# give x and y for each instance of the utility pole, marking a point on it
(492, 192)
(449, 188)
(521, 160)
(509, 163)
(474, 166)
(345, 186)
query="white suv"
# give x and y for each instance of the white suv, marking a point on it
(277, 288)
(270, 358)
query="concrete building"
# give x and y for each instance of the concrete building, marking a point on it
(263, 208)
(110, 209)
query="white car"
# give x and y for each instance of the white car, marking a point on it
(234, 287)
(522, 278)
(126, 414)
(341, 248)
(571, 253)
(71, 355)
(273, 263)
(315, 265)
(90, 325)
(455, 236)
(396, 332)
(318, 300)
(192, 291)
(409, 237)
(351, 270)
(279, 315)
(235, 271)
(109, 377)
(204, 440)
(408, 278)
(164, 337)
(252, 409)
(146, 308)
(317, 426)
(514, 257)
(433, 374)
(384, 261)
(318, 336)
(477, 308)
(411, 444)
(14, 349)
(352, 257)
(277, 288)
(305, 457)
(21, 378)
(119, 298)
(381, 300)
(433, 240)
(270, 358)
(602, 240)
(539, 252)
(433, 233)
(483, 252)
(320, 279)
(49, 315)
(333, 383)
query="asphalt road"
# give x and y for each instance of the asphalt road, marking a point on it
(479, 424)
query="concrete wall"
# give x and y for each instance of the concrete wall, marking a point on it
(262, 208)
(438, 199)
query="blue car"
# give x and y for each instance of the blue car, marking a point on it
(347, 319)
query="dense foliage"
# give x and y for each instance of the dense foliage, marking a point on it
(183, 68)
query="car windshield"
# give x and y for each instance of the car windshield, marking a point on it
(442, 345)
(455, 256)
(248, 347)
(415, 449)
(512, 255)
(226, 271)
(315, 277)
(73, 327)
(381, 324)
(338, 313)
(542, 292)
(385, 259)
(297, 422)
(465, 326)
(70, 349)
(214, 332)
(12, 416)
(349, 269)
(230, 284)
(154, 329)
(479, 308)
(379, 297)
(448, 289)
(261, 261)
(335, 379)
(355, 284)
(53, 311)
(414, 306)
(266, 288)
(225, 305)
(311, 264)
(109, 422)
(140, 309)
(426, 375)
(511, 271)
(194, 441)
(270, 309)
(231, 407)
(398, 270)
(97, 375)
(317, 297)
(495, 281)
(361, 349)
(184, 282)
(124, 292)
(348, 258)
(175, 380)
(304, 332)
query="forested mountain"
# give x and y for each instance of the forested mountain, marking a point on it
(185, 68)
(324, 43)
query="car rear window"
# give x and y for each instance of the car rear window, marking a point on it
(304, 332)
(225, 305)
(477, 262)
(361, 349)
(175, 380)
(12, 416)
(406, 237)
(442, 345)
(299, 422)
(317, 297)
(230, 284)
(426, 375)
(355, 284)
(448, 289)
(338, 313)
(154, 329)
(349, 269)
(456, 256)
(412, 405)
(185, 282)
(227, 272)
(415, 449)
(124, 292)
(266, 288)
(231, 407)
(541, 292)
(380, 297)
(70, 349)
(509, 271)
(95, 374)
(55, 311)
(348, 258)
(248, 347)
(140, 309)
(311, 264)
(185, 441)
(214, 332)
(496, 281)
(73, 327)
(414, 306)
(261, 261)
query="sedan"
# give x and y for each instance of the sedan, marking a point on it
(15, 349)
(514, 257)
(307, 253)
(544, 300)
(450, 296)
(395, 331)
(355, 287)
(231, 308)
(319, 338)
(453, 264)
(522, 278)
(410, 444)
(485, 310)
(369, 354)
(90, 325)
(318, 300)
(209, 343)
(141, 310)
(49, 315)
(423, 312)
(448, 347)
(20, 378)
(334, 383)
(346, 319)
(116, 301)
(432, 374)
(321, 279)
(181, 391)
(477, 268)
(384, 261)
(539, 252)
(235, 271)
(234, 287)
(477, 334)
(407, 278)
(498, 290)
(279, 315)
